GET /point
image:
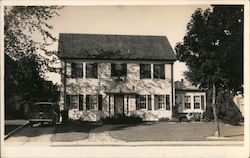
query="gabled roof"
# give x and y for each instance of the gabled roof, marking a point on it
(115, 47)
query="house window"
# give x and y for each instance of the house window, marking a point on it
(74, 101)
(91, 70)
(145, 71)
(143, 101)
(76, 70)
(94, 102)
(187, 102)
(159, 102)
(197, 102)
(118, 70)
(159, 71)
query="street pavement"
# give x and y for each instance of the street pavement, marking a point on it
(93, 135)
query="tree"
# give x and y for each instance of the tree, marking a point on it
(26, 36)
(27, 31)
(213, 50)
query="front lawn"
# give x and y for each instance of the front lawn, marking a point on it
(166, 131)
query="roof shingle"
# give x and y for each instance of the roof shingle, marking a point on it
(115, 47)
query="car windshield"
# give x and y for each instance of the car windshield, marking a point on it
(42, 107)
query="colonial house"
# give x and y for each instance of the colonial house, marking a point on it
(189, 99)
(109, 75)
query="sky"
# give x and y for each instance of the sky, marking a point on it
(167, 20)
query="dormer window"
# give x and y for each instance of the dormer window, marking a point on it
(118, 70)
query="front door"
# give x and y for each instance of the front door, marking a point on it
(119, 104)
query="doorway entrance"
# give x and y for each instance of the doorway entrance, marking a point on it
(119, 104)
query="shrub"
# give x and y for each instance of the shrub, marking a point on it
(164, 119)
(122, 119)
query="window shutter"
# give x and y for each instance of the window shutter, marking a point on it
(149, 102)
(68, 100)
(80, 102)
(202, 102)
(156, 102)
(167, 102)
(73, 70)
(137, 102)
(124, 66)
(112, 69)
(99, 102)
(95, 70)
(87, 102)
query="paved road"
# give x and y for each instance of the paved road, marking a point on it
(74, 134)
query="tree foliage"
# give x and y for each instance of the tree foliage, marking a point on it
(24, 24)
(213, 47)
(26, 35)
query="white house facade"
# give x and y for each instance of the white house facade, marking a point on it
(189, 100)
(108, 75)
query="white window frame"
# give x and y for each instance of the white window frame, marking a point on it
(91, 107)
(197, 102)
(144, 102)
(161, 101)
(187, 101)
(75, 103)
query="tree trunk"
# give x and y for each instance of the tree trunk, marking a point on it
(217, 127)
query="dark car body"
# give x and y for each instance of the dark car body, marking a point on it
(44, 112)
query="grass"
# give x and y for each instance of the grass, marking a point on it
(164, 131)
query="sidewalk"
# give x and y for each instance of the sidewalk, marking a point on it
(100, 136)
(15, 122)
(12, 126)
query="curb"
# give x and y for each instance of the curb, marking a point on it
(15, 130)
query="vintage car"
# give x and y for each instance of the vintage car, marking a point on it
(44, 112)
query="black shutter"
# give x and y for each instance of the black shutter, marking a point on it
(68, 100)
(124, 66)
(167, 102)
(95, 71)
(162, 71)
(99, 102)
(80, 102)
(113, 70)
(73, 70)
(202, 102)
(156, 102)
(87, 102)
(137, 102)
(149, 102)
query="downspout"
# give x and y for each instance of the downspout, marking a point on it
(172, 83)
(64, 83)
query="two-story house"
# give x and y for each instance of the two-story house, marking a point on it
(107, 75)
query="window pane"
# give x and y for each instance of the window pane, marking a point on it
(187, 102)
(74, 102)
(145, 71)
(91, 70)
(159, 102)
(159, 71)
(91, 102)
(197, 102)
(118, 70)
(77, 70)
(143, 102)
